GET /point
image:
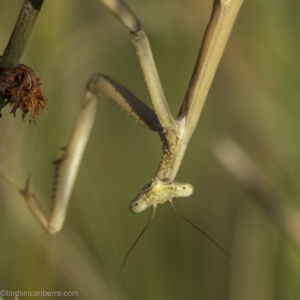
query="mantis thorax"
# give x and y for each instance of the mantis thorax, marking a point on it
(170, 140)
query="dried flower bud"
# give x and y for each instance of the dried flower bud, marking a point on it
(21, 89)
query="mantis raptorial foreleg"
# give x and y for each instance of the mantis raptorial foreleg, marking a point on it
(67, 166)
(139, 38)
(175, 133)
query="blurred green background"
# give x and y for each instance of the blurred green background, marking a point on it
(254, 100)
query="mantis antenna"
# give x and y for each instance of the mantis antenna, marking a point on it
(175, 133)
(182, 216)
(137, 239)
(201, 231)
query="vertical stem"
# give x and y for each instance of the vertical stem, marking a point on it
(21, 33)
(20, 36)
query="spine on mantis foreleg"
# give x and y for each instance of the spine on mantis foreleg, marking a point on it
(103, 85)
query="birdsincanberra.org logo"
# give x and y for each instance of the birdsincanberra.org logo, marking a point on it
(23, 293)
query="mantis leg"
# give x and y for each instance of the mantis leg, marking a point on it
(139, 38)
(214, 41)
(216, 36)
(67, 166)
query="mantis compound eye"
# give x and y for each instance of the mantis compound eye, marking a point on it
(183, 189)
(138, 205)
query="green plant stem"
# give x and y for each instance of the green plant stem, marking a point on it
(20, 35)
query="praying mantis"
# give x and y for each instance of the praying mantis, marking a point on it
(175, 133)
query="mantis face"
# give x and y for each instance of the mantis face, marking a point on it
(158, 192)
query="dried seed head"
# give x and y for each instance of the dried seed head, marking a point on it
(21, 89)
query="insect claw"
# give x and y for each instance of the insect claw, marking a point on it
(25, 190)
(57, 161)
(27, 180)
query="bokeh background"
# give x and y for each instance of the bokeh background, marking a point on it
(253, 103)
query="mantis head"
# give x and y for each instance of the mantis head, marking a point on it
(158, 192)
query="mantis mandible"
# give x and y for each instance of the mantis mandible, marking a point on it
(174, 133)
